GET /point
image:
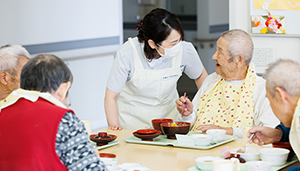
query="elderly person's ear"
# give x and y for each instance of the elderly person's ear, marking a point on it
(3, 77)
(62, 90)
(240, 60)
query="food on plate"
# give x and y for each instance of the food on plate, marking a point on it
(178, 124)
(240, 151)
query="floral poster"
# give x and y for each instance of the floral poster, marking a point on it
(278, 4)
(265, 24)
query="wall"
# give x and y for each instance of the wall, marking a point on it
(85, 34)
(212, 20)
(88, 90)
(186, 7)
(285, 46)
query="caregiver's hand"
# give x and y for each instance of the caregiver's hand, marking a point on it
(188, 106)
(264, 135)
(115, 127)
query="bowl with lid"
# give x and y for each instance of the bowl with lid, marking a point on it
(102, 138)
(146, 134)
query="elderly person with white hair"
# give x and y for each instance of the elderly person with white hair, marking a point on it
(232, 98)
(12, 60)
(283, 92)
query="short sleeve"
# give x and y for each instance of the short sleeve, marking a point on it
(121, 69)
(193, 66)
(73, 146)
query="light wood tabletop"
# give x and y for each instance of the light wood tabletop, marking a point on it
(161, 158)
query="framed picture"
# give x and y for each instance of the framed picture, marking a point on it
(264, 24)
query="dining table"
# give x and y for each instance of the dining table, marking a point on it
(164, 158)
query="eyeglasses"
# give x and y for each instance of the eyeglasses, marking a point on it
(68, 104)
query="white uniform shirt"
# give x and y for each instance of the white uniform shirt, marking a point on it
(262, 111)
(123, 66)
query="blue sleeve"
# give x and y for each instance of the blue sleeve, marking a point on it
(285, 132)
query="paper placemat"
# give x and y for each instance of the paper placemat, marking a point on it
(164, 141)
(244, 168)
(112, 143)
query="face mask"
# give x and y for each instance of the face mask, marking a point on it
(171, 52)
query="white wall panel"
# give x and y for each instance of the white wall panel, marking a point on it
(40, 21)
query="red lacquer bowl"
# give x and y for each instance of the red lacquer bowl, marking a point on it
(146, 131)
(147, 137)
(107, 155)
(156, 123)
(170, 130)
(102, 140)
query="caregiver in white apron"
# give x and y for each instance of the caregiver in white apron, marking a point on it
(143, 80)
(149, 94)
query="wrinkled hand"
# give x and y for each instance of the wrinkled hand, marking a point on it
(204, 128)
(115, 127)
(264, 135)
(188, 106)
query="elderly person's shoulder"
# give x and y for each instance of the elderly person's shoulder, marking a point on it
(213, 77)
(210, 80)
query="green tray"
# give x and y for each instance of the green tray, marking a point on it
(164, 141)
(112, 143)
(244, 168)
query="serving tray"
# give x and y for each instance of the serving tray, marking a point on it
(164, 141)
(112, 143)
(244, 168)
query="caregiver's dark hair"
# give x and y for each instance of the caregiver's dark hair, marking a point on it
(157, 26)
(45, 73)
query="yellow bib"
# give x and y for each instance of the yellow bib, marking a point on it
(227, 105)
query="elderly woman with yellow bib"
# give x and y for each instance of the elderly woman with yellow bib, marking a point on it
(233, 97)
(143, 79)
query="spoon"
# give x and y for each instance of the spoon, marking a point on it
(243, 150)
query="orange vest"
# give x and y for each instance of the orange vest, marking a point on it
(28, 135)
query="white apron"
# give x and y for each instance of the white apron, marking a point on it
(149, 94)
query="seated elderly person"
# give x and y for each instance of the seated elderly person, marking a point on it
(37, 131)
(12, 60)
(232, 98)
(283, 92)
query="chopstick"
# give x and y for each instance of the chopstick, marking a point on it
(183, 104)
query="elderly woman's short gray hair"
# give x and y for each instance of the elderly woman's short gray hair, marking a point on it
(240, 43)
(9, 57)
(283, 73)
